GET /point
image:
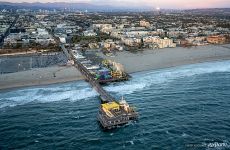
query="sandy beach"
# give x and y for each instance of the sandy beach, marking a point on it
(40, 76)
(169, 57)
(133, 62)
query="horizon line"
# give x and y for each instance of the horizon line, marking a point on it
(90, 3)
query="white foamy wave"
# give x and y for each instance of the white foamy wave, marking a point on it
(165, 76)
(47, 94)
(71, 95)
(186, 71)
(126, 88)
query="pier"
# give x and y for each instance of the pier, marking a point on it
(103, 94)
(105, 97)
(111, 112)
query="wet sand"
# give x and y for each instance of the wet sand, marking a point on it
(133, 62)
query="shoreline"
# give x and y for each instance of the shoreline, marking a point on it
(133, 63)
(57, 81)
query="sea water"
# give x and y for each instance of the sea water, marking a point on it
(186, 107)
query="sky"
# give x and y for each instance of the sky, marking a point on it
(154, 3)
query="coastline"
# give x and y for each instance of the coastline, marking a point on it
(138, 62)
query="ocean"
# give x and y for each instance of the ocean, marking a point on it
(185, 107)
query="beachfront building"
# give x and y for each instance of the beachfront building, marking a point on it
(109, 44)
(131, 41)
(162, 43)
(216, 39)
(198, 41)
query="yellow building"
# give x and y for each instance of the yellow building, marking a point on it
(111, 106)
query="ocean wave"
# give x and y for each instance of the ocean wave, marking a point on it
(126, 88)
(80, 90)
(165, 76)
(47, 94)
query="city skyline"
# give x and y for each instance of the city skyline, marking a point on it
(173, 4)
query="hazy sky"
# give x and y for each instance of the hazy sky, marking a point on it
(154, 3)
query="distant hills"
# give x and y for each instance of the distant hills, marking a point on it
(63, 5)
(90, 7)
